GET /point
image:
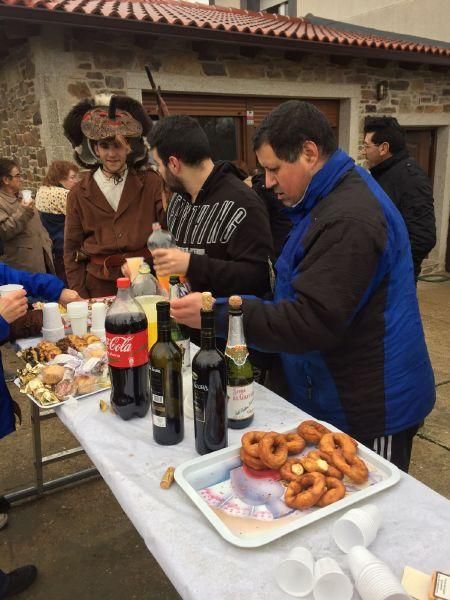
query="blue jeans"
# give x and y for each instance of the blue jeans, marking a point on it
(3, 582)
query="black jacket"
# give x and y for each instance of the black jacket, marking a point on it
(280, 224)
(227, 232)
(410, 190)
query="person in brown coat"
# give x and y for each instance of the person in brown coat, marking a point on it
(111, 210)
(26, 244)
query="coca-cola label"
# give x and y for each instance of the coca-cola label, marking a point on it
(127, 350)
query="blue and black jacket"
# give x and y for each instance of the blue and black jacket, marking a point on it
(345, 317)
(38, 285)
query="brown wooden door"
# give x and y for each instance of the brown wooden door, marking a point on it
(421, 144)
(237, 117)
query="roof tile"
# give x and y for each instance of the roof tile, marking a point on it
(186, 14)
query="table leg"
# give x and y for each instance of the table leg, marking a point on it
(36, 431)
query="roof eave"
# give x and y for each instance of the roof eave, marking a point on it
(44, 16)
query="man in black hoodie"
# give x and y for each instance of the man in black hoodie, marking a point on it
(222, 231)
(403, 181)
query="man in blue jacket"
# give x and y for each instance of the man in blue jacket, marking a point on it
(12, 307)
(345, 318)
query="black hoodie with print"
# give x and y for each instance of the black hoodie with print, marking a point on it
(227, 232)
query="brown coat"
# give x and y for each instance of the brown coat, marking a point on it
(26, 244)
(94, 228)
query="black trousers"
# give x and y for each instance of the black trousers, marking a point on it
(395, 448)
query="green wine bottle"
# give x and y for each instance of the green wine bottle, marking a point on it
(240, 388)
(166, 383)
(179, 333)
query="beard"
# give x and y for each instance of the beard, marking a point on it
(174, 184)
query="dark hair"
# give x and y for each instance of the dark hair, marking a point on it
(180, 136)
(59, 170)
(6, 166)
(386, 129)
(290, 125)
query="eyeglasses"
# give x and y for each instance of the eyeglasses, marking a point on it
(366, 146)
(16, 175)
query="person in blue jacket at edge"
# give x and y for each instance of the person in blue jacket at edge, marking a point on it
(345, 318)
(12, 307)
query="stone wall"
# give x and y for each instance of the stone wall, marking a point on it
(20, 116)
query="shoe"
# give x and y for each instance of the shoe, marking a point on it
(3, 520)
(19, 580)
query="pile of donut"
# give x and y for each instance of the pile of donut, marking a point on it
(314, 479)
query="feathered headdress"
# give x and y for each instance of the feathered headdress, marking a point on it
(105, 117)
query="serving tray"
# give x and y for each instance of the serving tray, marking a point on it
(56, 404)
(248, 510)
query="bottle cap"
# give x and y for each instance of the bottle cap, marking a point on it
(156, 226)
(163, 309)
(235, 302)
(123, 282)
(144, 268)
(207, 301)
(174, 279)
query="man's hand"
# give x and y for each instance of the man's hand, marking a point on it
(170, 262)
(27, 203)
(13, 306)
(68, 296)
(187, 310)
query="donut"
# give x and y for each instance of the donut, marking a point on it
(337, 441)
(295, 443)
(351, 465)
(305, 492)
(273, 450)
(250, 441)
(324, 464)
(335, 490)
(312, 431)
(251, 461)
(292, 470)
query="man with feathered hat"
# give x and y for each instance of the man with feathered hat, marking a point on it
(111, 210)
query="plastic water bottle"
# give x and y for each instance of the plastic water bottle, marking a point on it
(161, 239)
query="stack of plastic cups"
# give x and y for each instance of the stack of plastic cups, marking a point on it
(52, 325)
(98, 320)
(357, 527)
(78, 313)
(295, 574)
(373, 578)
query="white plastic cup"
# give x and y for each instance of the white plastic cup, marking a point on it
(330, 581)
(9, 288)
(51, 317)
(100, 333)
(295, 574)
(98, 316)
(357, 527)
(53, 335)
(26, 195)
(359, 558)
(77, 313)
(377, 582)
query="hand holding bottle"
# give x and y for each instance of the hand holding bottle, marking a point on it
(170, 262)
(186, 310)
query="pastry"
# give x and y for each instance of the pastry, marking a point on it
(85, 384)
(52, 374)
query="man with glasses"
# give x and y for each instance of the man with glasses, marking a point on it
(26, 244)
(403, 181)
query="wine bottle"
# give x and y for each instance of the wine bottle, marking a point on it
(240, 388)
(179, 333)
(209, 386)
(166, 383)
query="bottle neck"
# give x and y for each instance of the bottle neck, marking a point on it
(208, 331)
(163, 331)
(236, 335)
(123, 293)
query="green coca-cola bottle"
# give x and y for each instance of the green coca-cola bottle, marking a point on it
(240, 387)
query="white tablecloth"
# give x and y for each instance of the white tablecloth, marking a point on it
(200, 564)
(198, 561)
